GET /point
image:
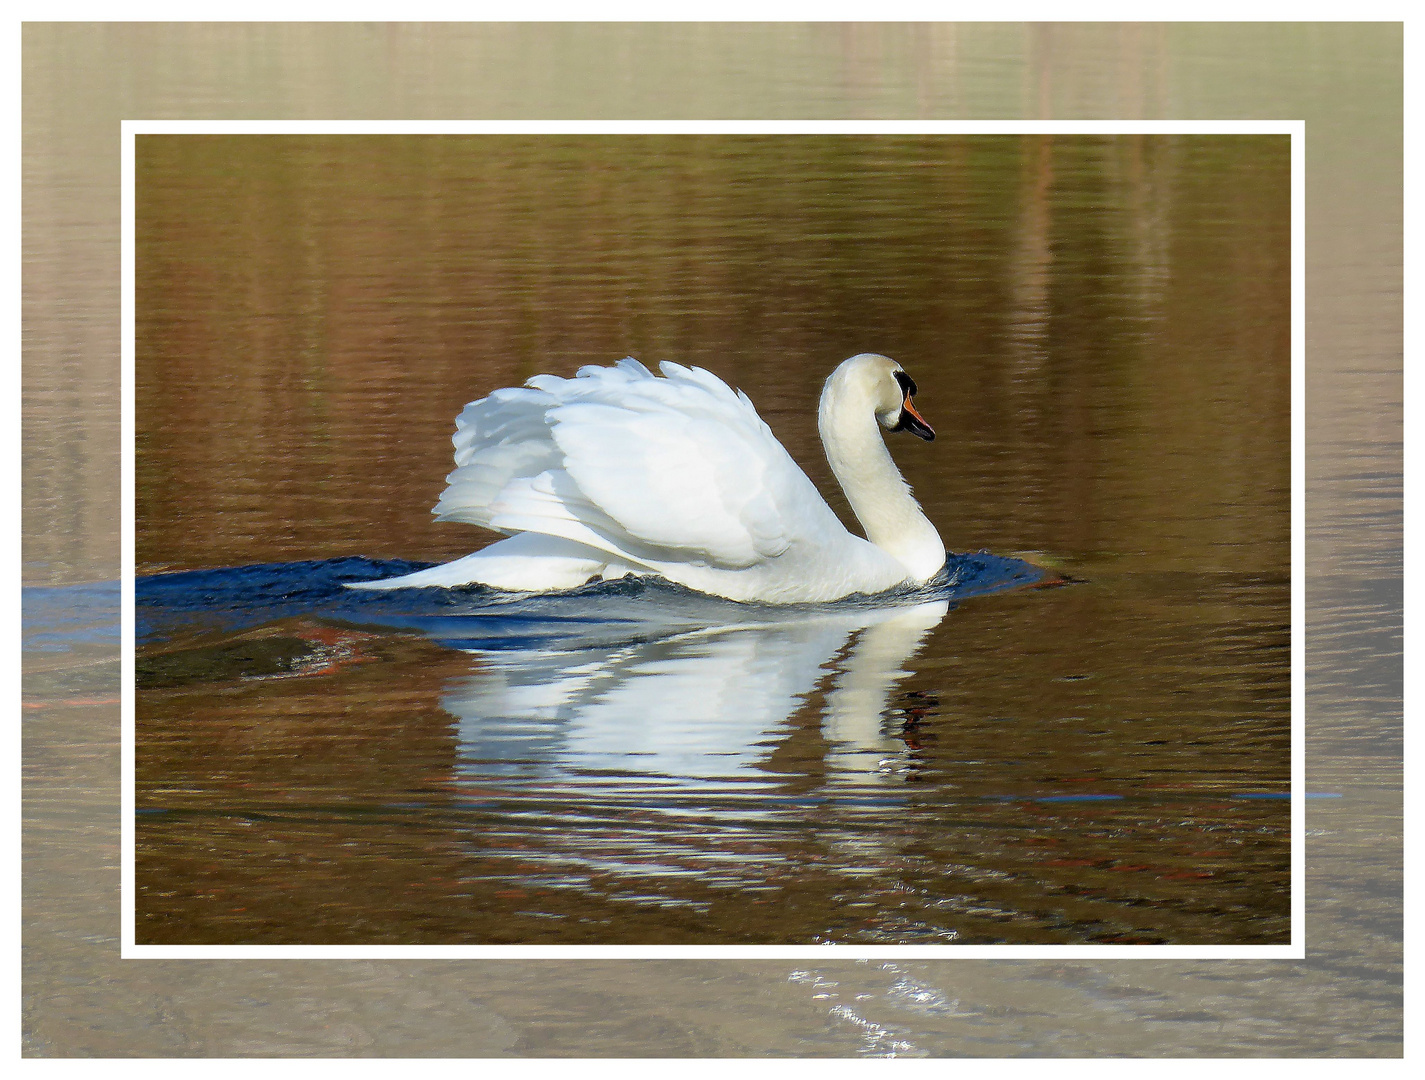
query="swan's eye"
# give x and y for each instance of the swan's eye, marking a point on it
(907, 383)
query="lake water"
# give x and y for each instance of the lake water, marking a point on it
(1049, 450)
(1099, 330)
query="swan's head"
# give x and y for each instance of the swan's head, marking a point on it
(877, 381)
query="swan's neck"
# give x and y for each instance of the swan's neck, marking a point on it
(878, 494)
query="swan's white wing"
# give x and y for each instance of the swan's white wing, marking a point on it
(499, 439)
(659, 470)
(505, 438)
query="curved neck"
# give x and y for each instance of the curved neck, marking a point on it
(874, 487)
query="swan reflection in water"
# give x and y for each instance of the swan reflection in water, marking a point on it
(634, 743)
(690, 701)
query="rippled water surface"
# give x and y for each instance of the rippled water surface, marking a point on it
(1092, 751)
(1096, 327)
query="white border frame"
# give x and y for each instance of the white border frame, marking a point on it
(1296, 129)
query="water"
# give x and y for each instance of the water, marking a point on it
(1036, 768)
(634, 763)
(1096, 333)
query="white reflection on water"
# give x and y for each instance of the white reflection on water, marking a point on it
(695, 703)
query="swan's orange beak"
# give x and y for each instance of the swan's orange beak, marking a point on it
(913, 422)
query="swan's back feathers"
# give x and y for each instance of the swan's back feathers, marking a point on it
(654, 470)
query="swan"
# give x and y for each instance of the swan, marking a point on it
(620, 471)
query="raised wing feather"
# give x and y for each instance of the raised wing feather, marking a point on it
(499, 439)
(656, 470)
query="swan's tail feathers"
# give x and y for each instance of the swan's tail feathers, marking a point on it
(529, 562)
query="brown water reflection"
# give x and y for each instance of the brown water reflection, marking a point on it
(1099, 328)
(1099, 324)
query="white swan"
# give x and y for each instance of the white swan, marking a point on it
(618, 471)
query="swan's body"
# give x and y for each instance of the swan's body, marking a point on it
(618, 471)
